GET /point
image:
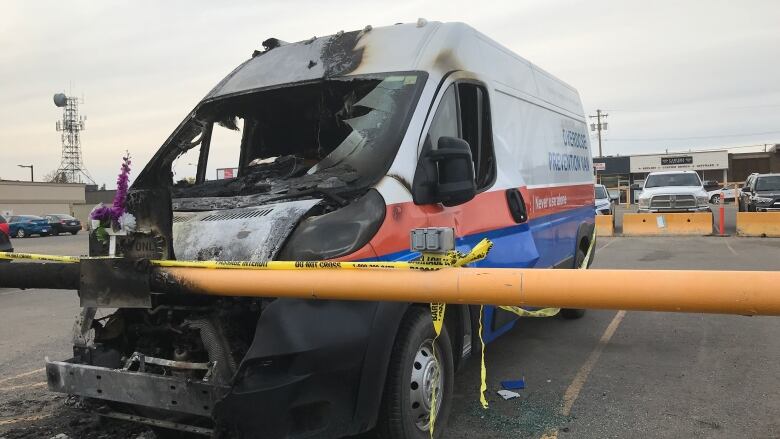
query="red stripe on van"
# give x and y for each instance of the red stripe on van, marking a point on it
(487, 211)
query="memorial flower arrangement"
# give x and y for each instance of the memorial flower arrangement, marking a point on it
(115, 217)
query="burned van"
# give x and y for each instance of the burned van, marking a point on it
(335, 148)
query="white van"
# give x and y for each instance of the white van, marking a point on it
(343, 145)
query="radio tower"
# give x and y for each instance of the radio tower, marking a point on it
(71, 165)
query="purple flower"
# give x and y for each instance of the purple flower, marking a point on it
(105, 213)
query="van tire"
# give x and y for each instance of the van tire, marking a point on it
(397, 418)
(574, 313)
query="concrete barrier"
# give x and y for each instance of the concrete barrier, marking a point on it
(758, 224)
(652, 224)
(605, 225)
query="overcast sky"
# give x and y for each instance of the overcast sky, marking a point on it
(674, 75)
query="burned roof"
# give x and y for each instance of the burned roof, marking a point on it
(344, 53)
(434, 47)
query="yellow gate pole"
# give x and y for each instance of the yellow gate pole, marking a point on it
(720, 292)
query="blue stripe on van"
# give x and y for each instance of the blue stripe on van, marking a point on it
(551, 240)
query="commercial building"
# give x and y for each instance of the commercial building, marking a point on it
(719, 165)
(743, 164)
(36, 198)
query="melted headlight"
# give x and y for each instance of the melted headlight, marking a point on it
(337, 233)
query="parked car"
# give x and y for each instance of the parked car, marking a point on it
(673, 191)
(605, 204)
(715, 194)
(61, 223)
(402, 138)
(760, 194)
(710, 185)
(22, 226)
(5, 240)
(4, 225)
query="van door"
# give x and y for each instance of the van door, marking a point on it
(497, 212)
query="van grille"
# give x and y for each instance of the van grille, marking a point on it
(673, 202)
(182, 217)
(236, 214)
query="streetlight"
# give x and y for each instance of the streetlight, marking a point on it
(32, 176)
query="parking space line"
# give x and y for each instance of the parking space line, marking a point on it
(730, 248)
(573, 391)
(605, 245)
(22, 375)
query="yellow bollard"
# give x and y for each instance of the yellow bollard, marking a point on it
(673, 224)
(605, 225)
(765, 224)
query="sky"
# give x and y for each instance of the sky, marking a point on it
(672, 75)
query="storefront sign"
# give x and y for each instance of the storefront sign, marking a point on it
(681, 160)
(695, 161)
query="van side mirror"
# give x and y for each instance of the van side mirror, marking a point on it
(455, 182)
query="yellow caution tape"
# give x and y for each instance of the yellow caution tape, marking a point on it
(437, 315)
(544, 312)
(426, 261)
(483, 369)
(584, 264)
(37, 257)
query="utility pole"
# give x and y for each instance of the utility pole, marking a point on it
(599, 125)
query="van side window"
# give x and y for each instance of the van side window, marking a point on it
(464, 112)
(475, 129)
(445, 122)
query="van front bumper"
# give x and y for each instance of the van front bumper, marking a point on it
(176, 394)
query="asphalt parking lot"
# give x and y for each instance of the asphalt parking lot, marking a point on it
(609, 374)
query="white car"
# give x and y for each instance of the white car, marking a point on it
(673, 191)
(715, 195)
(603, 201)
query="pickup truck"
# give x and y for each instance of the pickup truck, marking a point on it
(673, 191)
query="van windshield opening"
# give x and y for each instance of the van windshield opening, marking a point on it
(768, 183)
(342, 132)
(601, 193)
(663, 180)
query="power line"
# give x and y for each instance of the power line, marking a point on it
(697, 110)
(721, 136)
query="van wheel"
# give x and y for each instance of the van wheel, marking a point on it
(573, 313)
(413, 375)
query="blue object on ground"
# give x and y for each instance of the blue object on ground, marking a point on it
(513, 385)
